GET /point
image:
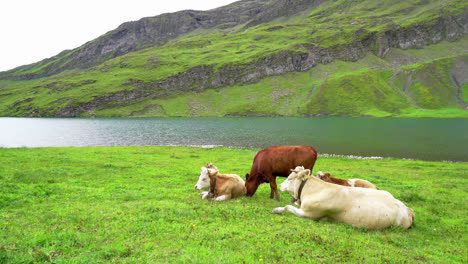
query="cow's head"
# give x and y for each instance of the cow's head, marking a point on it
(204, 179)
(252, 182)
(324, 176)
(296, 176)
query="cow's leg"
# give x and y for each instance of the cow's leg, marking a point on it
(274, 189)
(278, 210)
(223, 197)
(205, 195)
(297, 211)
(316, 215)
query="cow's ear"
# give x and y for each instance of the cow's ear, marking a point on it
(305, 173)
(212, 173)
(247, 176)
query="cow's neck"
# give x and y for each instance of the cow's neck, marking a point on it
(299, 190)
(212, 186)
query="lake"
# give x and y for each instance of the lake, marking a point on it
(425, 139)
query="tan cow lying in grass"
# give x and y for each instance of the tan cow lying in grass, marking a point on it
(359, 207)
(351, 182)
(221, 186)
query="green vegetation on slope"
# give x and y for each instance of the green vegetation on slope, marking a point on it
(138, 205)
(370, 87)
(333, 25)
(366, 88)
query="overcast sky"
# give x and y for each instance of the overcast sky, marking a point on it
(32, 30)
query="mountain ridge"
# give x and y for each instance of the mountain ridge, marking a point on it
(159, 30)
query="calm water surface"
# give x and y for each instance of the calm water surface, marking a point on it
(427, 139)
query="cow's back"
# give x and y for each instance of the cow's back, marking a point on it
(230, 184)
(373, 209)
(279, 160)
(363, 184)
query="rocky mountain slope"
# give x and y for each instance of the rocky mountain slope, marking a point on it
(159, 30)
(138, 68)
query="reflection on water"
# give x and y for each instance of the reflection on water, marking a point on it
(428, 139)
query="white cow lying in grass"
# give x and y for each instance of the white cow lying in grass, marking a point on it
(221, 186)
(359, 207)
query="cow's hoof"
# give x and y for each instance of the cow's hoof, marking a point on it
(278, 210)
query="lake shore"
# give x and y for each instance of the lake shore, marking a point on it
(138, 205)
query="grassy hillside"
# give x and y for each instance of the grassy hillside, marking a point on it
(138, 205)
(369, 87)
(180, 78)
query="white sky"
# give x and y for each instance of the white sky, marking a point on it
(32, 30)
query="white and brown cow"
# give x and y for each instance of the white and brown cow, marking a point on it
(359, 207)
(325, 176)
(219, 186)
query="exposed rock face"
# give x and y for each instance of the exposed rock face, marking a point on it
(449, 28)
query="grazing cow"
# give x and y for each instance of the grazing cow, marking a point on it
(359, 207)
(221, 186)
(351, 182)
(277, 161)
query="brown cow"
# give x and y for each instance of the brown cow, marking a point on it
(221, 186)
(351, 182)
(277, 161)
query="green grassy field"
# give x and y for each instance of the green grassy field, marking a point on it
(139, 205)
